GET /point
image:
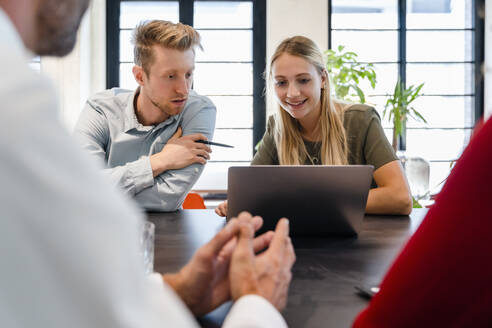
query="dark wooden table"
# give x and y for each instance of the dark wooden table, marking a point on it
(322, 291)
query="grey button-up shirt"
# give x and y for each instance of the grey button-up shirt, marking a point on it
(108, 128)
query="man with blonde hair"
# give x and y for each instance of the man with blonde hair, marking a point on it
(147, 137)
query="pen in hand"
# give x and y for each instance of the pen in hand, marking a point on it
(211, 143)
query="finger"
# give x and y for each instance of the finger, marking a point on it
(199, 159)
(257, 222)
(278, 243)
(202, 146)
(242, 268)
(262, 241)
(290, 253)
(245, 239)
(229, 248)
(244, 216)
(202, 153)
(218, 211)
(177, 134)
(226, 252)
(216, 244)
(221, 209)
(196, 136)
(259, 243)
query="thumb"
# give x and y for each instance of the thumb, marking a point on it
(177, 134)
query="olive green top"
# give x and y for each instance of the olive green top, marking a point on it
(366, 141)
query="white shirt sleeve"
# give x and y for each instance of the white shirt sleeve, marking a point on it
(69, 242)
(254, 311)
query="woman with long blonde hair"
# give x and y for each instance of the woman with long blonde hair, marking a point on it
(310, 128)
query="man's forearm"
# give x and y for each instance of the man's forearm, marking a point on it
(170, 189)
(132, 177)
(158, 164)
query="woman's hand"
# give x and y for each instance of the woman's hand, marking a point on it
(221, 210)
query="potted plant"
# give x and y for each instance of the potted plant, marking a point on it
(346, 73)
(398, 108)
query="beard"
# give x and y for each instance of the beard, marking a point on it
(57, 24)
(164, 108)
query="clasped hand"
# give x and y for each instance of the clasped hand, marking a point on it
(227, 267)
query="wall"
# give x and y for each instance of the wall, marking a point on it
(83, 71)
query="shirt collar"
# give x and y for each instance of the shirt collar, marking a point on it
(131, 121)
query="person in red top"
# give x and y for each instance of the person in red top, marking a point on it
(443, 276)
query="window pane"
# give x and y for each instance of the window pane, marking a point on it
(378, 103)
(362, 43)
(389, 134)
(439, 171)
(439, 111)
(386, 75)
(242, 140)
(442, 79)
(437, 144)
(444, 112)
(126, 46)
(224, 79)
(354, 14)
(226, 46)
(234, 112)
(439, 14)
(223, 14)
(133, 12)
(127, 81)
(440, 46)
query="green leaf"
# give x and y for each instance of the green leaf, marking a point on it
(347, 73)
(416, 203)
(360, 94)
(420, 117)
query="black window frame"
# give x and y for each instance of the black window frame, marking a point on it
(186, 11)
(478, 55)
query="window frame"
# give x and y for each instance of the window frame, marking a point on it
(186, 12)
(478, 54)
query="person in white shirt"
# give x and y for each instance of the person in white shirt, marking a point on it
(69, 239)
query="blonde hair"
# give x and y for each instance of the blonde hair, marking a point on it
(160, 32)
(290, 145)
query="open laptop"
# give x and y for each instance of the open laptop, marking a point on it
(318, 200)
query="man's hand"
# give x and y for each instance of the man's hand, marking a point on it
(268, 274)
(203, 283)
(221, 210)
(180, 152)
